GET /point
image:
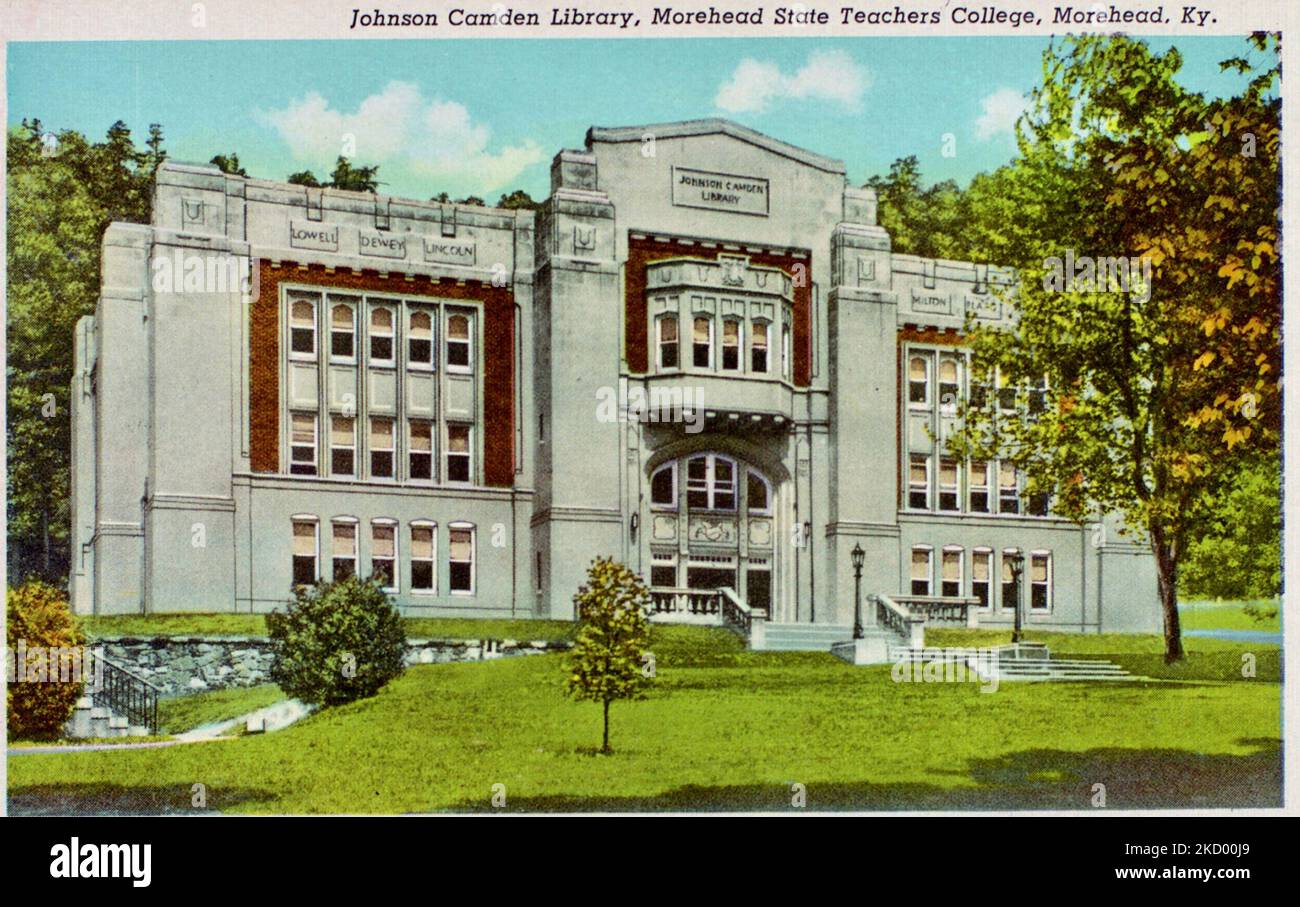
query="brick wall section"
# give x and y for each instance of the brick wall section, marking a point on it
(643, 251)
(497, 355)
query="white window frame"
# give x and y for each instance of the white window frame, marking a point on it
(353, 448)
(671, 468)
(989, 492)
(431, 453)
(299, 355)
(929, 560)
(750, 476)
(1047, 555)
(339, 521)
(315, 444)
(948, 407)
(739, 345)
(710, 480)
(961, 569)
(1020, 509)
(314, 520)
(432, 559)
(334, 358)
(473, 557)
(371, 450)
(929, 465)
(766, 346)
(926, 359)
(468, 454)
(708, 343)
(1002, 560)
(468, 368)
(394, 572)
(660, 343)
(954, 489)
(987, 554)
(431, 313)
(391, 334)
(786, 348)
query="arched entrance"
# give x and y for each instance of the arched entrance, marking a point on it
(713, 525)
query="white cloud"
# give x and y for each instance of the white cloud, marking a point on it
(999, 112)
(830, 75)
(409, 136)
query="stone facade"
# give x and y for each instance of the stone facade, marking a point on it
(700, 356)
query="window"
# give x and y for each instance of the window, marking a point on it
(1038, 503)
(423, 557)
(950, 571)
(710, 483)
(1006, 394)
(949, 385)
(302, 329)
(758, 348)
(918, 482)
(460, 576)
(304, 551)
(979, 486)
(785, 348)
(302, 450)
(918, 380)
(458, 453)
(663, 487)
(1010, 586)
(1038, 396)
(343, 446)
(758, 495)
(981, 563)
(730, 345)
(383, 553)
(668, 341)
(663, 576)
(1008, 489)
(344, 549)
(949, 483)
(921, 570)
(342, 332)
(381, 336)
(702, 343)
(381, 448)
(1040, 581)
(458, 343)
(421, 450)
(979, 392)
(419, 340)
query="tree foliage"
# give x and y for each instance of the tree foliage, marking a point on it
(1238, 555)
(64, 191)
(608, 659)
(1158, 391)
(37, 614)
(346, 175)
(337, 642)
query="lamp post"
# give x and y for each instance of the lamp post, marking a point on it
(1016, 561)
(858, 557)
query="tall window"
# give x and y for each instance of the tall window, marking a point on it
(1010, 587)
(1006, 393)
(302, 449)
(304, 551)
(918, 380)
(383, 553)
(702, 343)
(730, 345)
(419, 339)
(921, 556)
(758, 348)
(1008, 488)
(785, 348)
(758, 494)
(460, 560)
(949, 482)
(710, 483)
(458, 453)
(981, 573)
(381, 447)
(302, 328)
(458, 343)
(667, 326)
(1038, 396)
(1040, 581)
(950, 569)
(918, 482)
(949, 385)
(424, 549)
(343, 446)
(381, 336)
(663, 487)
(421, 450)
(344, 549)
(343, 332)
(1038, 504)
(979, 486)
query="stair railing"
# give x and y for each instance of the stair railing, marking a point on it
(739, 616)
(898, 619)
(117, 689)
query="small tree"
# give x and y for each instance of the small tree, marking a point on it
(607, 661)
(39, 704)
(337, 642)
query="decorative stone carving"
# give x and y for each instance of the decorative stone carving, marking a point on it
(664, 527)
(760, 533)
(721, 530)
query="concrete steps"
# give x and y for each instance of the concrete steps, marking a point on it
(803, 637)
(90, 720)
(1061, 669)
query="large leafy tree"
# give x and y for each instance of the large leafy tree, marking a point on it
(1158, 391)
(63, 192)
(346, 175)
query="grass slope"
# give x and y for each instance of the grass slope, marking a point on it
(99, 626)
(722, 729)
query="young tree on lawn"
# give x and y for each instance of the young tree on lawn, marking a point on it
(1156, 391)
(607, 661)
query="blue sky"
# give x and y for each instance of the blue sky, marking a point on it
(485, 116)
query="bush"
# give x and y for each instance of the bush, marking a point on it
(337, 642)
(39, 705)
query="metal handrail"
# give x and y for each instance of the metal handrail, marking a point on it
(133, 697)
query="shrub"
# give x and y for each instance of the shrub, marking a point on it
(337, 642)
(39, 704)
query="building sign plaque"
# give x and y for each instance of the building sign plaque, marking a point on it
(449, 251)
(309, 235)
(381, 244)
(720, 191)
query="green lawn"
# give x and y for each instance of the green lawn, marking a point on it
(723, 729)
(1229, 615)
(99, 626)
(184, 713)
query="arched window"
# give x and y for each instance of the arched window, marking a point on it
(668, 343)
(383, 553)
(305, 550)
(951, 571)
(419, 340)
(949, 385)
(702, 343)
(342, 332)
(922, 555)
(663, 487)
(758, 348)
(343, 547)
(302, 328)
(424, 554)
(731, 345)
(758, 494)
(460, 558)
(918, 380)
(458, 343)
(981, 560)
(381, 336)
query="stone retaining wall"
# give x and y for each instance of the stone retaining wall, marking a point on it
(180, 665)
